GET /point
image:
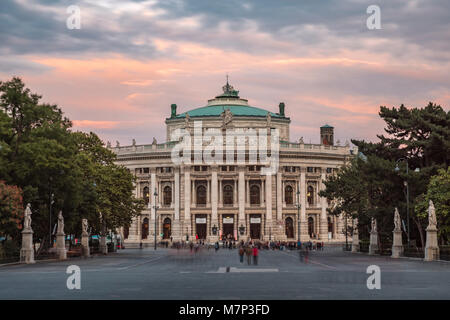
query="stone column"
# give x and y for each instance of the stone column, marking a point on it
(397, 245)
(279, 197)
(208, 194)
(221, 194)
(355, 237)
(247, 192)
(176, 232)
(323, 222)
(241, 187)
(187, 202)
(373, 246)
(27, 250)
(85, 239)
(269, 225)
(431, 247)
(303, 222)
(214, 202)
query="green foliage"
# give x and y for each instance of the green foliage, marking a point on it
(42, 156)
(439, 192)
(371, 188)
(11, 210)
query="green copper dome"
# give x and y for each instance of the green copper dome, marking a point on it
(236, 110)
(228, 100)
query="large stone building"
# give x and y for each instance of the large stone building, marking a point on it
(238, 199)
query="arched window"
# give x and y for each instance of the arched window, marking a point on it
(255, 194)
(310, 195)
(288, 195)
(311, 226)
(146, 195)
(201, 195)
(228, 194)
(330, 225)
(167, 195)
(145, 228)
(167, 228)
(289, 224)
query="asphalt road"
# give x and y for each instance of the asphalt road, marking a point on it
(173, 274)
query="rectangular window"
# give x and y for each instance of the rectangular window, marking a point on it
(204, 168)
(197, 168)
(231, 168)
(310, 169)
(224, 168)
(146, 170)
(329, 170)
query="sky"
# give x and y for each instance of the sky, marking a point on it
(130, 60)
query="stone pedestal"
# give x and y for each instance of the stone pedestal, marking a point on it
(61, 246)
(397, 245)
(373, 247)
(27, 251)
(304, 236)
(431, 247)
(355, 241)
(176, 231)
(103, 246)
(85, 245)
(323, 229)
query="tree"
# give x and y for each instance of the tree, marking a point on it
(11, 211)
(439, 192)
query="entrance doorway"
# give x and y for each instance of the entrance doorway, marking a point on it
(167, 228)
(228, 226)
(255, 226)
(200, 226)
(289, 223)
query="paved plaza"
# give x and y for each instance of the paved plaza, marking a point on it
(180, 274)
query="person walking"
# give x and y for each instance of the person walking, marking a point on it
(255, 255)
(248, 252)
(216, 246)
(241, 254)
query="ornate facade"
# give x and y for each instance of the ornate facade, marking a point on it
(208, 201)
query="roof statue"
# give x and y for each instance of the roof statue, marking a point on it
(431, 215)
(269, 119)
(154, 141)
(301, 140)
(397, 220)
(117, 144)
(281, 109)
(134, 142)
(227, 117)
(108, 145)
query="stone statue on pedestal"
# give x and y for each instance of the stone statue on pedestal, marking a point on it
(227, 117)
(85, 238)
(61, 238)
(373, 246)
(301, 140)
(269, 119)
(431, 247)
(27, 250)
(27, 218)
(397, 244)
(355, 236)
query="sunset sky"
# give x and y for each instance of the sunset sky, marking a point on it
(119, 73)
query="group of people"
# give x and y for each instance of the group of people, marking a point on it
(250, 251)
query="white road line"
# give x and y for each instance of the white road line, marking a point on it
(310, 261)
(139, 264)
(243, 270)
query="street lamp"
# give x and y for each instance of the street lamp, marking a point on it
(397, 169)
(156, 208)
(50, 219)
(298, 214)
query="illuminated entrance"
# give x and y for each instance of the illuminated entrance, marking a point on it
(200, 226)
(228, 226)
(255, 226)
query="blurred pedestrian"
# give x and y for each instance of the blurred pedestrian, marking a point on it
(248, 253)
(241, 254)
(255, 255)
